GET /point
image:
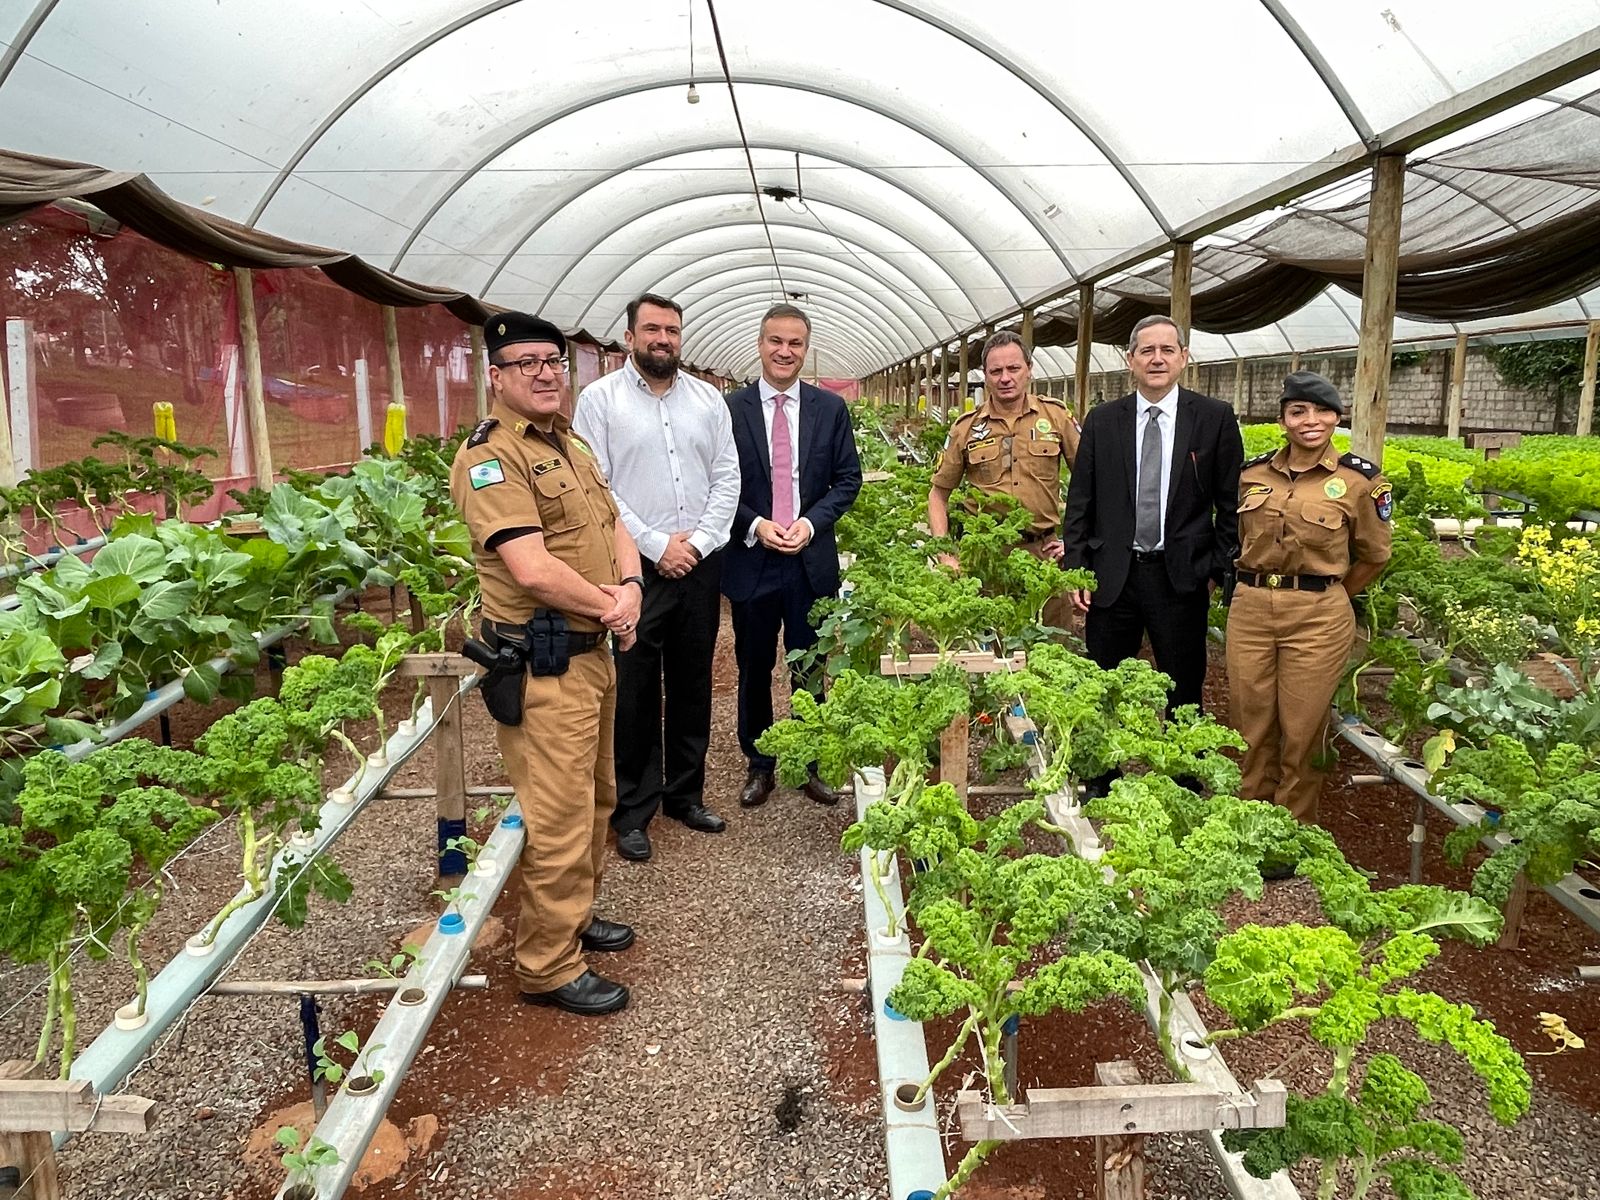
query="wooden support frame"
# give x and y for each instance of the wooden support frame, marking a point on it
(1591, 360)
(1027, 330)
(255, 400)
(973, 662)
(963, 369)
(1119, 1110)
(1379, 277)
(1119, 1156)
(1084, 365)
(953, 751)
(32, 1108)
(391, 346)
(480, 373)
(443, 673)
(1456, 399)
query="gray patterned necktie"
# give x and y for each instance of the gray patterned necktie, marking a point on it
(1147, 522)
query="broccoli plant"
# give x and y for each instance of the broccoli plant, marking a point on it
(1340, 979)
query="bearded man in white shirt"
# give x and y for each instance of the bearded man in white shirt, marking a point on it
(665, 441)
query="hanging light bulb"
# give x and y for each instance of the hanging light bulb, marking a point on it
(694, 96)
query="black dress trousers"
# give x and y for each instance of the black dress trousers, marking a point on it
(661, 754)
(1174, 621)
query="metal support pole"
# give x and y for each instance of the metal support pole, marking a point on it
(1379, 276)
(19, 417)
(311, 1034)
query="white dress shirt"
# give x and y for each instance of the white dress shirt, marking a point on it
(671, 459)
(1166, 410)
(791, 413)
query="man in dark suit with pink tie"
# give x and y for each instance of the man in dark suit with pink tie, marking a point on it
(799, 474)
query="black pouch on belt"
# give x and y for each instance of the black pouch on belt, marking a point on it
(505, 675)
(548, 648)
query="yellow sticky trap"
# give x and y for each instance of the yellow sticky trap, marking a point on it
(166, 423)
(1555, 1028)
(394, 428)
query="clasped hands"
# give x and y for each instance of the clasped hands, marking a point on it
(679, 558)
(623, 619)
(791, 540)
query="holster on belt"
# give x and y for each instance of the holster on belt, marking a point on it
(505, 674)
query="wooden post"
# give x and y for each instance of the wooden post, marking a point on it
(391, 344)
(1591, 352)
(1085, 361)
(1238, 387)
(363, 405)
(480, 373)
(1027, 330)
(1379, 275)
(255, 400)
(19, 417)
(1120, 1157)
(442, 389)
(963, 369)
(1294, 361)
(1458, 380)
(936, 394)
(1181, 309)
(449, 771)
(953, 755)
(927, 381)
(32, 1153)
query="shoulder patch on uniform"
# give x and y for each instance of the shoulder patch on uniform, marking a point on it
(581, 444)
(1335, 488)
(1355, 463)
(486, 474)
(1383, 500)
(480, 434)
(1260, 458)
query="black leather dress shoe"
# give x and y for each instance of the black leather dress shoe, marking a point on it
(588, 995)
(699, 817)
(634, 845)
(605, 936)
(756, 789)
(820, 792)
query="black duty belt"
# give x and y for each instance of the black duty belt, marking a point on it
(1295, 583)
(577, 643)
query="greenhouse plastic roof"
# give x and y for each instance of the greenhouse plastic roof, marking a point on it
(953, 160)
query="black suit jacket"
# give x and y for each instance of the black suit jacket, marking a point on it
(830, 478)
(1202, 524)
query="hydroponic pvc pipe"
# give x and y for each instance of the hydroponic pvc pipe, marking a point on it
(111, 1056)
(1574, 893)
(352, 1120)
(38, 562)
(911, 1136)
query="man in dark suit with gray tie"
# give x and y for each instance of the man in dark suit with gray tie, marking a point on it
(799, 474)
(1152, 511)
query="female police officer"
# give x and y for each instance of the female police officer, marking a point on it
(1313, 531)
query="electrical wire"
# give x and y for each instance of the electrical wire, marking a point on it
(755, 184)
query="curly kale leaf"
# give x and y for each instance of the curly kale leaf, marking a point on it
(1259, 972)
(928, 991)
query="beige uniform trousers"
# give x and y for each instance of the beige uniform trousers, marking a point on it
(560, 762)
(1287, 651)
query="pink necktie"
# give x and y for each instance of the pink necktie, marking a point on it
(782, 467)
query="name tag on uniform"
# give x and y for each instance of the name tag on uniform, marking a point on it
(485, 474)
(545, 467)
(980, 443)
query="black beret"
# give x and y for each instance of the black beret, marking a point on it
(506, 328)
(1312, 388)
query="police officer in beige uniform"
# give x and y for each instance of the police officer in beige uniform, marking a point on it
(1014, 444)
(560, 577)
(1313, 531)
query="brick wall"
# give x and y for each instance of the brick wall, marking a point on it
(1417, 393)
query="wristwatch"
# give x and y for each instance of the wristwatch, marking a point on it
(639, 579)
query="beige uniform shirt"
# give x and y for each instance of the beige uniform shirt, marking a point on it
(509, 474)
(1318, 522)
(1019, 456)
